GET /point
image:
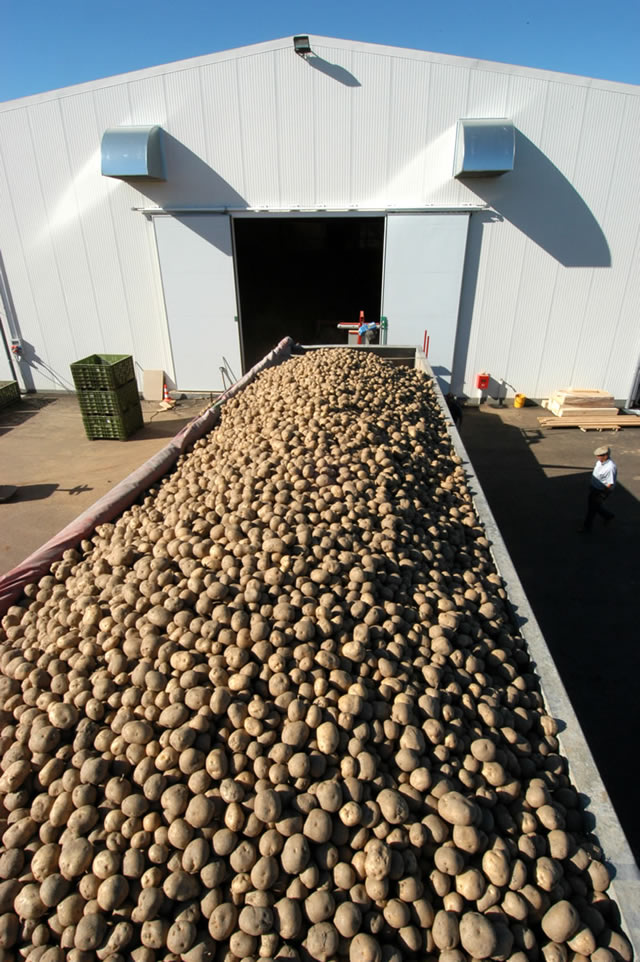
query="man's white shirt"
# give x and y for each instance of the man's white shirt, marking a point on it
(604, 474)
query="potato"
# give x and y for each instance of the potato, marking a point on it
(477, 935)
(268, 806)
(153, 933)
(396, 913)
(548, 873)
(28, 904)
(295, 854)
(319, 906)
(599, 876)
(9, 930)
(348, 919)
(555, 952)
(287, 918)
(181, 937)
(561, 921)
(112, 893)
(149, 903)
(377, 862)
(445, 930)
(449, 860)
(322, 941)
(89, 932)
(327, 737)
(364, 948)
(393, 806)
(496, 867)
(45, 861)
(471, 884)
(222, 921)
(457, 809)
(318, 826)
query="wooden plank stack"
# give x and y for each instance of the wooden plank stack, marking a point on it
(580, 402)
(587, 409)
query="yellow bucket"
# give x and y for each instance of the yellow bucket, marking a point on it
(518, 401)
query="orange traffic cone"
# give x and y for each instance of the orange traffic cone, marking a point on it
(167, 402)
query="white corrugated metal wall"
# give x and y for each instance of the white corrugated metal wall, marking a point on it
(551, 292)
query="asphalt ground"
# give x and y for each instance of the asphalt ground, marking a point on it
(584, 589)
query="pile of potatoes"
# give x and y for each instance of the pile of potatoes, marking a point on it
(278, 710)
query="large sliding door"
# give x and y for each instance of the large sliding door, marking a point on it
(196, 264)
(300, 276)
(424, 261)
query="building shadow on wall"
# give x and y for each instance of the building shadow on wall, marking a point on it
(586, 608)
(538, 199)
(190, 183)
(31, 361)
(477, 223)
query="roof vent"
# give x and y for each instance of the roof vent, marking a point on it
(133, 152)
(484, 147)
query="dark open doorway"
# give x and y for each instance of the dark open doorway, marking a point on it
(301, 276)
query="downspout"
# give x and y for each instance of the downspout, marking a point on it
(7, 307)
(8, 353)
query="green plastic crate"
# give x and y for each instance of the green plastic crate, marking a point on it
(102, 372)
(110, 403)
(9, 393)
(115, 428)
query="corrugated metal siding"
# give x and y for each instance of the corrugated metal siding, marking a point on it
(41, 258)
(223, 123)
(92, 228)
(624, 350)
(259, 111)
(333, 106)
(447, 99)
(296, 125)
(370, 128)
(487, 94)
(360, 125)
(407, 138)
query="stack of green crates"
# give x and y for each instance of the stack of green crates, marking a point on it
(9, 393)
(108, 396)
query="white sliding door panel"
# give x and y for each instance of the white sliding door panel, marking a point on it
(424, 261)
(196, 265)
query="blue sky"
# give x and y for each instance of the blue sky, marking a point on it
(46, 44)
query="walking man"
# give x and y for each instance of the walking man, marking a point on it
(603, 481)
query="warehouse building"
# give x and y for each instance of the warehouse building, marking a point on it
(193, 214)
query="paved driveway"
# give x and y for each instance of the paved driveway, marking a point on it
(584, 589)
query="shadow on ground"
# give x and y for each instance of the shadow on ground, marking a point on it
(160, 429)
(583, 589)
(37, 492)
(21, 411)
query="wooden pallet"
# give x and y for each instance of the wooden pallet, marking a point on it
(592, 424)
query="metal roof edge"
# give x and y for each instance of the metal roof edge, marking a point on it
(283, 43)
(495, 66)
(173, 66)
